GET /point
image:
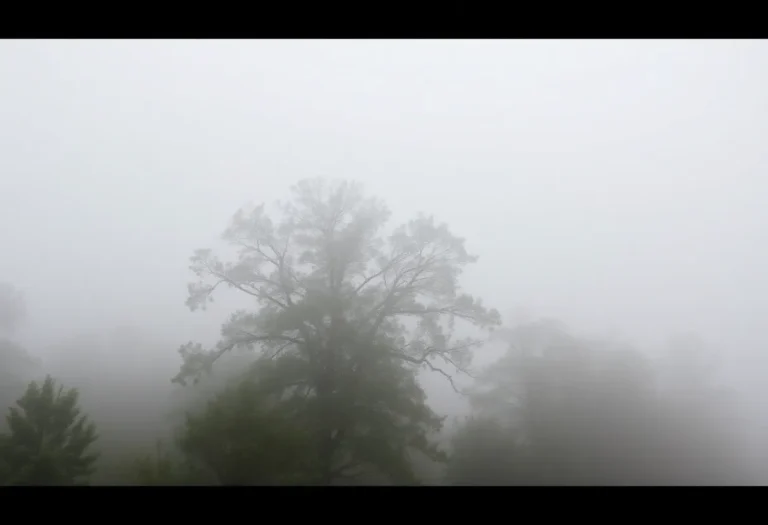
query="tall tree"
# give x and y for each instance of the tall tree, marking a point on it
(350, 311)
(48, 440)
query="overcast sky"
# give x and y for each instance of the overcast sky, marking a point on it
(617, 185)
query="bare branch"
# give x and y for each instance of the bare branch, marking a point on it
(371, 278)
(440, 311)
(390, 300)
(258, 250)
(279, 350)
(254, 338)
(212, 288)
(381, 272)
(260, 294)
(455, 365)
(432, 351)
(448, 376)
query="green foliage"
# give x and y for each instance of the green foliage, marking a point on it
(245, 436)
(49, 439)
(349, 313)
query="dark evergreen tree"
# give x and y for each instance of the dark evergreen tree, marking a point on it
(48, 440)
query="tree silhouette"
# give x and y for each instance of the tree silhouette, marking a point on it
(48, 440)
(348, 314)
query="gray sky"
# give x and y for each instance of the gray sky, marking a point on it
(614, 184)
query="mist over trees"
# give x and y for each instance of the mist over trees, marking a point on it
(558, 409)
(17, 366)
(12, 309)
(321, 380)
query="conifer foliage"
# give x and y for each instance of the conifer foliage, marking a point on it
(49, 439)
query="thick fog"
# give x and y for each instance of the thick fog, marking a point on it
(616, 186)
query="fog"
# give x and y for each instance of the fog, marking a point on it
(616, 186)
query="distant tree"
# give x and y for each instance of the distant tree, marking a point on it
(487, 452)
(572, 412)
(49, 439)
(12, 308)
(584, 412)
(702, 430)
(351, 312)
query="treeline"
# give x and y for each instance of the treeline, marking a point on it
(319, 382)
(558, 409)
